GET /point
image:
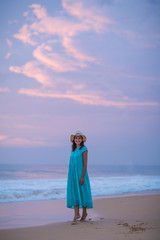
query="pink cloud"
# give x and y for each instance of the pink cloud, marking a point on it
(62, 27)
(44, 55)
(25, 35)
(90, 19)
(57, 26)
(32, 70)
(6, 89)
(25, 14)
(57, 62)
(92, 16)
(85, 99)
(8, 55)
(48, 25)
(39, 11)
(16, 141)
(9, 43)
(2, 137)
(71, 50)
(48, 58)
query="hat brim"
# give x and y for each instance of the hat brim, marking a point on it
(72, 137)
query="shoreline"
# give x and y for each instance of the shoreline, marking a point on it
(14, 215)
(129, 217)
(129, 194)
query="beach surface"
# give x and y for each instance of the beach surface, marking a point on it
(120, 218)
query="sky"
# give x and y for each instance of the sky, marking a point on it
(69, 65)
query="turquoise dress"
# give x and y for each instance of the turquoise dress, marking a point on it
(78, 194)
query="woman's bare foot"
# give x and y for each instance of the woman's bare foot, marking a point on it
(76, 217)
(83, 217)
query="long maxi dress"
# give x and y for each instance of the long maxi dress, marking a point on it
(78, 194)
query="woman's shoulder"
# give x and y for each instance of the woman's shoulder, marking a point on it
(84, 148)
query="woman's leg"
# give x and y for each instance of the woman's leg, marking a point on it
(76, 213)
(84, 215)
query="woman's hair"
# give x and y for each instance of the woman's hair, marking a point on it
(74, 145)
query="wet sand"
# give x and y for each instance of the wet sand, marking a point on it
(132, 217)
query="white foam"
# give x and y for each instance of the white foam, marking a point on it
(45, 189)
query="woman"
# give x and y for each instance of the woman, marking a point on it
(78, 184)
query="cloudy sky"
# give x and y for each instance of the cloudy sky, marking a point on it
(69, 65)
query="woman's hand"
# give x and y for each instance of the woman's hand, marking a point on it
(81, 180)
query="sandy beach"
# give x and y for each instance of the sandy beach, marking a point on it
(132, 217)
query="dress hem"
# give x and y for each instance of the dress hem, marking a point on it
(80, 206)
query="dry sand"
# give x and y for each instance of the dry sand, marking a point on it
(134, 217)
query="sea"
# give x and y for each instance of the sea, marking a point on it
(19, 183)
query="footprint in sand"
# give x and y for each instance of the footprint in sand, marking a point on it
(133, 228)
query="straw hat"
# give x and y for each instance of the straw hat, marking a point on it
(78, 133)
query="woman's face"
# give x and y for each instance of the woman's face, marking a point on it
(78, 140)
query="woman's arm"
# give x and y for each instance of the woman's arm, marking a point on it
(84, 167)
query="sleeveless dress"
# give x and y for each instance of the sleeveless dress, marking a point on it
(78, 194)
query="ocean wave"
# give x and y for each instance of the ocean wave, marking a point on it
(45, 189)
